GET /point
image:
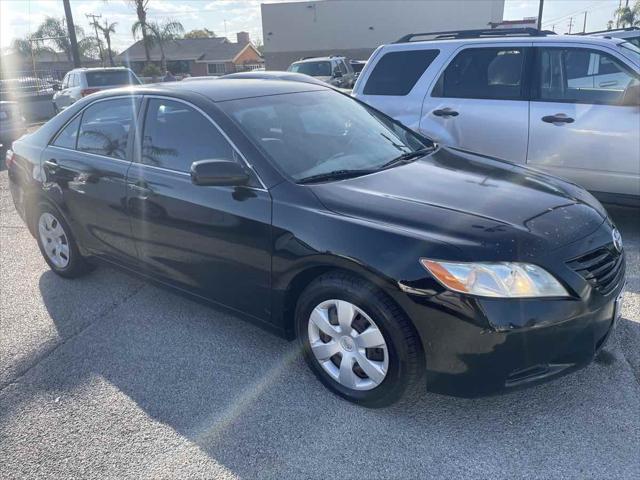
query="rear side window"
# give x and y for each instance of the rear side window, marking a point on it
(107, 78)
(483, 73)
(68, 135)
(175, 135)
(396, 73)
(105, 127)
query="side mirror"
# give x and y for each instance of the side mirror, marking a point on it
(56, 87)
(218, 173)
(337, 74)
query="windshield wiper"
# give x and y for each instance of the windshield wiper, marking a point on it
(407, 157)
(336, 175)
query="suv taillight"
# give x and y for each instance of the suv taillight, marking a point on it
(88, 91)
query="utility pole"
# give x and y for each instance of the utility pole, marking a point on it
(570, 24)
(72, 34)
(584, 25)
(540, 7)
(95, 28)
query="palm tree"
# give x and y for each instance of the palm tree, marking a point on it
(55, 31)
(107, 30)
(629, 16)
(140, 26)
(162, 34)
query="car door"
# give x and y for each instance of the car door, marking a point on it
(212, 241)
(85, 169)
(480, 102)
(62, 97)
(585, 121)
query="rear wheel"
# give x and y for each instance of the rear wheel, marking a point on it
(357, 341)
(57, 245)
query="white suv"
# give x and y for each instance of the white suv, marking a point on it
(334, 70)
(81, 82)
(564, 104)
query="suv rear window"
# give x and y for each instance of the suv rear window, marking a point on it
(396, 73)
(314, 69)
(108, 78)
(483, 73)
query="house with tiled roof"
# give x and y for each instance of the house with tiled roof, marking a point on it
(198, 56)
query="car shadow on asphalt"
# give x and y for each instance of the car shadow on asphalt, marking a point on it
(235, 390)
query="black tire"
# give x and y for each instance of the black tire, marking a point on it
(406, 357)
(77, 265)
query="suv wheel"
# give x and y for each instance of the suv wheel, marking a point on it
(57, 245)
(357, 341)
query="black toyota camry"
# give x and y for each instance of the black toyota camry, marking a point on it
(392, 261)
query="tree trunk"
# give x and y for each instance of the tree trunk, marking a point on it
(142, 17)
(109, 50)
(163, 60)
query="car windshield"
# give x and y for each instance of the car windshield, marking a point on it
(113, 77)
(315, 69)
(311, 134)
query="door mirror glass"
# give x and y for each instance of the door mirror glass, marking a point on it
(218, 173)
(56, 87)
(337, 73)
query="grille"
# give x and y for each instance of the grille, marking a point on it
(602, 268)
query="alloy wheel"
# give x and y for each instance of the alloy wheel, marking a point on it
(348, 345)
(54, 240)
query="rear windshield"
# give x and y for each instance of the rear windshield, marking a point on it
(315, 69)
(105, 79)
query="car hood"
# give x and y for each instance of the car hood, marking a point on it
(490, 209)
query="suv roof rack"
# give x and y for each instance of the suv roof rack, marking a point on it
(494, 32)
(625, 29)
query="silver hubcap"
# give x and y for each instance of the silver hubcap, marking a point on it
(54, 240)
(348, 345)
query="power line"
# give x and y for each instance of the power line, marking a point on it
(589, 8)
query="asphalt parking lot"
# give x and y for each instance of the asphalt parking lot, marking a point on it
(111, 377)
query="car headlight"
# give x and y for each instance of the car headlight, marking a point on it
(496, 279)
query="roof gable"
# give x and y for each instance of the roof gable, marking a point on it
(202, 49)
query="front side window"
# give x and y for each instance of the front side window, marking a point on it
(105, 127)
(483, 73)
(580, 75)
(396, 73)
(309, 134)
(175, 135)
(68, 135)
(314, 69)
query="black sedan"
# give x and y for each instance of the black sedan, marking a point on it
(301, 209)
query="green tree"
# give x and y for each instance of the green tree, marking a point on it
(107, 29)
(629, 16)
(200, 33)
(163, 33)
(141, 27)
(54, 30)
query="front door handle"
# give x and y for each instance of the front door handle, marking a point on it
(557, 118)
(610, 83)
(51, 164)
(141, 190)
(445, 112)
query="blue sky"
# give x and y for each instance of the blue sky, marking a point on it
(19, 17)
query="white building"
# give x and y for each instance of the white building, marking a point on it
(354, 28)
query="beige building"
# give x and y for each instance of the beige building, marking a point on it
(354, 28)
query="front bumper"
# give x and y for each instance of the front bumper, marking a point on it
(477, 347)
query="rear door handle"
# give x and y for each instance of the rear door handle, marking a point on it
(557, 118)
(445, 112)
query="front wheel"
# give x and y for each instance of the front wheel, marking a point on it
(57, 245)
(357, 341)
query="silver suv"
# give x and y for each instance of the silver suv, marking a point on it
(333, 70)
(568, 105)
(81, 82)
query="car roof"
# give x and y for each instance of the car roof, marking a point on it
(98, 69)
(318, 59)
(220, 89)
(569, 39)
(276, 75)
